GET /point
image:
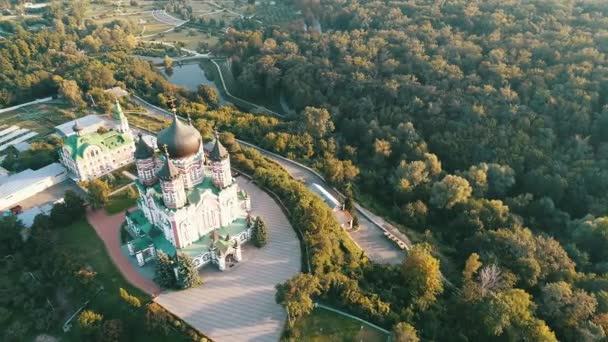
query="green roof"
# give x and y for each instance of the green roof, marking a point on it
(152, 234)
(105, 141)
(155, 235)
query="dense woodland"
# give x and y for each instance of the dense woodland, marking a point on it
(480, 126)
(482, 123)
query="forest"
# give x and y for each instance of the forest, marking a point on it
(480, 126)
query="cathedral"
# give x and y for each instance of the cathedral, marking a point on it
(188, 201)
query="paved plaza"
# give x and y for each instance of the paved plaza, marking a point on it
(239, 303)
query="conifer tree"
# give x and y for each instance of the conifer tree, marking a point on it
(260, 233)
(188, 273)
(163, 274)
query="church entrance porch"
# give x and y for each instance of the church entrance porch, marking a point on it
(230, 260)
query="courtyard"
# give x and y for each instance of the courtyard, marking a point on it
(239, 304)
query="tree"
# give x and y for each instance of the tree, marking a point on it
(422, 276)
(167, 62)
(450, 191)
(112, 331)
(78, 11)
(71, 92)
(565, 306)
(164, 275)
(89, 319)
(187, 273)
(260, 233)
(317, 121)
(405, 332)
(74, 205)
(10, 235)
(296, 295)
(99, 192)
(131, 300)
(209, 95)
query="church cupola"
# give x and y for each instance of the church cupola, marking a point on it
(123, 124)
(145, 161)
(220, 164)
(172, 184)
(182, 140)
(77, 128)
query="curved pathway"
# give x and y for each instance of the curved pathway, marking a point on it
(239, 304)
(108, 229)
(370, 235)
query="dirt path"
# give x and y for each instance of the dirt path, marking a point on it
(108, 229)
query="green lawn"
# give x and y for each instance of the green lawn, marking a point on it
(81, 242)
(119, 202)
(322, 325)
(150, 123)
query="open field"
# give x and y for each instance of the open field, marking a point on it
(276, 14)
(322, 325)
(153, 124)
(191, 38)
(120, 201)
(40, 118)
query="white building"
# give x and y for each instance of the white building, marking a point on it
(25, 184)
(187, 202)
(89, 156)
(88, 124)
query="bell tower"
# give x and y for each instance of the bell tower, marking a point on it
(145, 162)
(220, 164)
(172, 184)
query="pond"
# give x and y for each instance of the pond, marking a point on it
(191, 76)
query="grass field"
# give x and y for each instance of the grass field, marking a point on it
(191, 38)
(150, 123)
(322, 325)
(81, 242)
(40, 118)
(120, 201)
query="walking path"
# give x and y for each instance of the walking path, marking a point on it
(108, 229)
(239, 304)
(370, 237)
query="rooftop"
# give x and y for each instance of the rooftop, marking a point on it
(90, 123)
(106, 141)
(326, 196)
(19, 181)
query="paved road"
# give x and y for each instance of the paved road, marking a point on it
(165, 18)
(239, 304)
